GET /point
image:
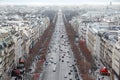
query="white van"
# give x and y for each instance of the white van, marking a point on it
(54, 68)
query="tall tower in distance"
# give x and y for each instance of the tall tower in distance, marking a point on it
(109, 6)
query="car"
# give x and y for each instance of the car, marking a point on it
(54, 69)
(75, 70)
(29, 69)
(49, 63)
(55, 63)
(74, 60)
(71, 70)
(70, 65)
(62, 60)
(19, 78)
(65, 76)
(98, 65)
(68, 62)
(62, 56)
(51, 57)
(52, 62)
(13, 78)
(76, 76)
(69, 73)
(59, 59)
(73, 65)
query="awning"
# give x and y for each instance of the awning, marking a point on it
(104, 70)
(31, 50)
(36, 75)
(22, 61)
(82, 41)
(17, 71)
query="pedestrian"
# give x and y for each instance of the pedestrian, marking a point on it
(102, 78)
(16, 78)
(98, 78)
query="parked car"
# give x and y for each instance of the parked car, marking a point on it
(65, 76)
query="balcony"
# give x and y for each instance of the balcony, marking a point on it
(12, 53)
(10, 47)
(1, 53)
(1, 66)
(10, 44)
(0, 60)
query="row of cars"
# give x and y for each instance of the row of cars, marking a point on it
(51, 62)
(67, 58)
(72, 69)
(60, 63)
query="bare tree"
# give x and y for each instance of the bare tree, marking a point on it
(83, 65)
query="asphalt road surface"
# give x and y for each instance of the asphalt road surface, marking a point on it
(60, 63)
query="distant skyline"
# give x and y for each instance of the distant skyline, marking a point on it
(56, 2)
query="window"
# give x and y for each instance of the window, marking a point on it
(109, 50)
(17, 35)
(12, 51)
(0, 62)
(0, 77)
(117, 49)
(10, 44)
(5, 45)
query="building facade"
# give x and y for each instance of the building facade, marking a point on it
(7, 54)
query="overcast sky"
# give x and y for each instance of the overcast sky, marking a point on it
(56, 1)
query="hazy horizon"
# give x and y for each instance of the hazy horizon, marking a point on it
(57, 2)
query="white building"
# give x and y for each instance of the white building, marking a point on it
(93, 38)
(17, 37)
(27, 38)
(7, 52)
(38, 29)
(116, 57)
(110, 49)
